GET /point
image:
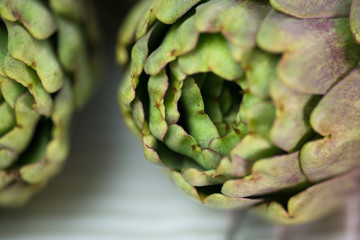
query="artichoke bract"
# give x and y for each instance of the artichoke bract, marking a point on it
(248, 103)
(44, 75)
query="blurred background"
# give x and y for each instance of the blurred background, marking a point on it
(108, 191)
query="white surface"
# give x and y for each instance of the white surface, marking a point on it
(108, 191)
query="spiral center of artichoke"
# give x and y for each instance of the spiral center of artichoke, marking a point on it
(218, 99)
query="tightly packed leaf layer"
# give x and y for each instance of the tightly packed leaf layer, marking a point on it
(44, 75)
(248, 103)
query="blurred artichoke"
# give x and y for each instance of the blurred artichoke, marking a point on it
(248, 103)
(44, 75)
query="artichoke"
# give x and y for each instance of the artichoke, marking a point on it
(44, 75)
(248, 103)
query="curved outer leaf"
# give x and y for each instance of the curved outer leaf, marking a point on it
(313, 8)
(337, 118)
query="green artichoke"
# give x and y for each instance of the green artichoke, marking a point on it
(248, 103)
(44, 75)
